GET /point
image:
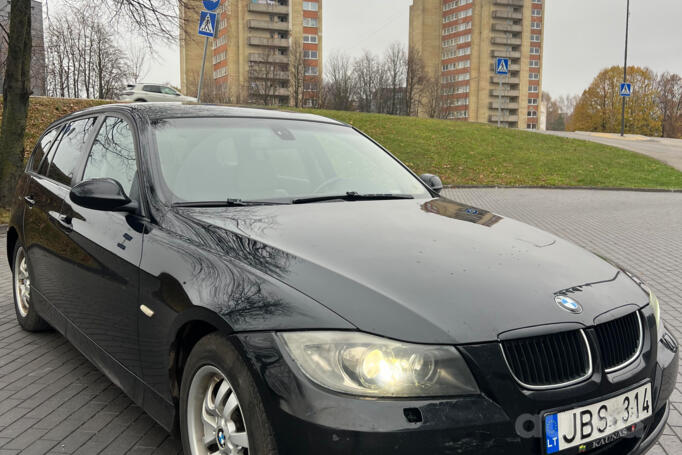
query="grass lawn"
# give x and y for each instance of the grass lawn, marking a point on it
(477, 154)
(462, 153)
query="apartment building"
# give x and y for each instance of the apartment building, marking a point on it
(460, 40)
(266, 52)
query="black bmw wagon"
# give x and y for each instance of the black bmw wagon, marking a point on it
(270, 283)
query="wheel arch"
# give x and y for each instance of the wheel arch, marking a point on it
(12, 239)
(190, 327)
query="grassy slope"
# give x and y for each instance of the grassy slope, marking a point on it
(477, 154)
(463, 153)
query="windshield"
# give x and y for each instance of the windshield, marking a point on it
(216, 159)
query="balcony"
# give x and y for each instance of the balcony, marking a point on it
(505, 80)
(505, 92)
(271, 42)
(504, 118)
(506, 104)
(274, 75)
(503, 14)
(509, 54)
(268, 25)
(275, 9)
(509, 2)
(506, 41)
(507, 28)
(268, 58)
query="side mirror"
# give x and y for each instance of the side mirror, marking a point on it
(433, 182)
(102, 194)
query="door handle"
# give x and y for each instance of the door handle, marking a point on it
(63, 221)
(29, 201)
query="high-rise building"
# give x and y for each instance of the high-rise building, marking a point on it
(460, 40)
(266, 52)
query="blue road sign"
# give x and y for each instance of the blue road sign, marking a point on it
(207, 24)
(502, 66)
(626, 90)
(211, 5)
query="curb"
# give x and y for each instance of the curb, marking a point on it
(528, 187)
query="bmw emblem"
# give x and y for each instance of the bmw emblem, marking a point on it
(220, 438)
(568, 304)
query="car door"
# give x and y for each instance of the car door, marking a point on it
(42, 238)
(153, 93)
(169, 94)
(105, 253)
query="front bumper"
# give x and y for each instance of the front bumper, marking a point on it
(503, 419)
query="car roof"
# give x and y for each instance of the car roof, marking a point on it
(158, 111)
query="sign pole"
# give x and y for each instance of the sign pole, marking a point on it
(201, 76)
(625, 69)
(499, 105)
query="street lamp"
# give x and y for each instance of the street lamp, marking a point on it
(625, 68)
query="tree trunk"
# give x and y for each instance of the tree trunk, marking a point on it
(16, 91)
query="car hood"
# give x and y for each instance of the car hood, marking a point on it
(422, 271)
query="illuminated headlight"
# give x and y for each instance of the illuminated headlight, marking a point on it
(366, 365)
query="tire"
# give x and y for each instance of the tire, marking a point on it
(215, 368)
(27, 316)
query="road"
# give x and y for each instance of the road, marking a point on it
(53, 401)
(667, 150)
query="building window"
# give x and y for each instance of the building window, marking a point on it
(457, 28)
(455, 78)
(458, 15)
(534, 51)
(310, 55)
(310, 6)
(310, 86)
(535, 63)
(533, 88)
(310, 22)
(537, 12)
(532, 101)
(534, 76)
(454, 4)
(220, 72)
(536, 25)
(535, 38)
(311, 71)
(457, 40)
(457, 65)
(308, 102)
(312, 39)
(532, 126)
(217, 58)
(539, 2)
(532, 113)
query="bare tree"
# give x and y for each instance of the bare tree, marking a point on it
(341, 84)
(415, 77)
(433, 96)
(268, 78)
(394, 61)
(296, 73)
(669, 99)
(367, 75)
(138, 63)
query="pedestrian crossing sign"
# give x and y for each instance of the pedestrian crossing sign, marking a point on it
(626, 90)
(502, 66)
(207, 24)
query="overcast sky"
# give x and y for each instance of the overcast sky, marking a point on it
(581, 37)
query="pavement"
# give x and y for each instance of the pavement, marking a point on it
(53, 401)
(666, 150)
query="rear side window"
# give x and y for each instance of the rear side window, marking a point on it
(113, 154)
(71, 145)
(151, 88)
(42, 148)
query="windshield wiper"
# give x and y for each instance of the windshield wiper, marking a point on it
(225, 203)
(351, 196)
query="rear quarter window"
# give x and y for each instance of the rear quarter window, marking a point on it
(42, 148)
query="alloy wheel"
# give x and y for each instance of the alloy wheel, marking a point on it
(214, 416)
(22, 283)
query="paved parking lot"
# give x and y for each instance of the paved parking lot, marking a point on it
(53, 401)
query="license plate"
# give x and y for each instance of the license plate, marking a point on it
(581, 427)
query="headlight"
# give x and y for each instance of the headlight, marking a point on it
(653, 301)
(366, 365)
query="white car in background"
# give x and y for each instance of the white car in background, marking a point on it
(147, 92)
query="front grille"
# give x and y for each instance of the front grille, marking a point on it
(549, 361)
(619, 341)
